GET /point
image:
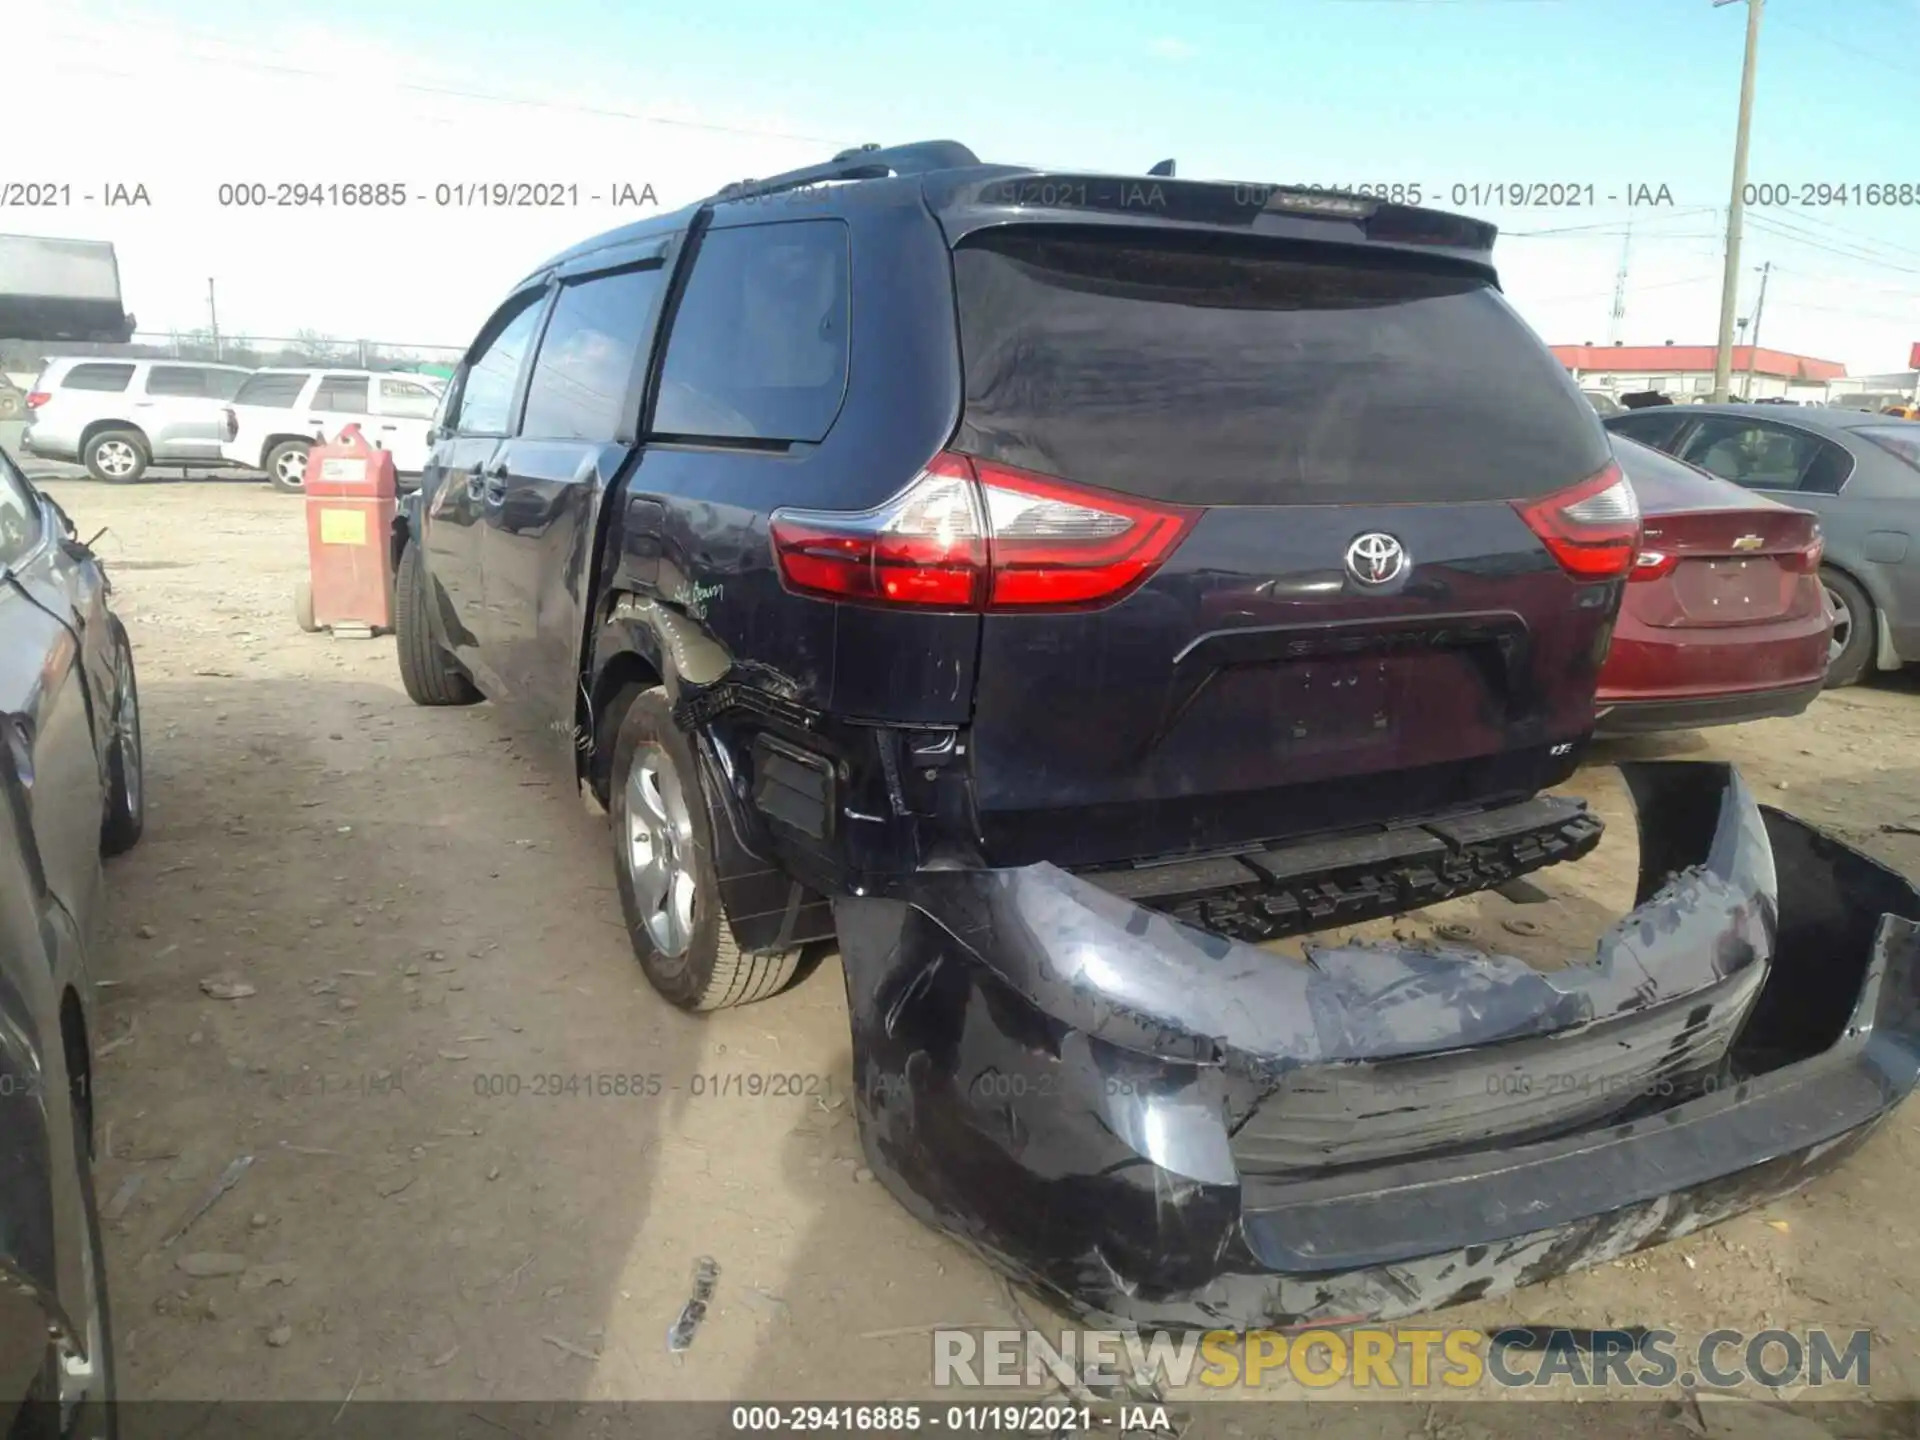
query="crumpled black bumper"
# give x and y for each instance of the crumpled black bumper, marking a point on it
(1168, 1129)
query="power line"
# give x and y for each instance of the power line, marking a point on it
(1791, 237)
(1904, 72)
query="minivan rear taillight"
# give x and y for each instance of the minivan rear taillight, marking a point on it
(37, 398)
(969, 534)
(1592, 529)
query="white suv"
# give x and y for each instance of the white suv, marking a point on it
(280, 414)
(117, 417)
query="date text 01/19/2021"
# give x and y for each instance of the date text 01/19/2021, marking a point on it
(623, 1085)
(900, 1418)
(1495, 194)
(462, 194)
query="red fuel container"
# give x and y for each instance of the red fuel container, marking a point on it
(350, 489)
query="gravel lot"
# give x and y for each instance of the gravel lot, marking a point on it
(425, 916)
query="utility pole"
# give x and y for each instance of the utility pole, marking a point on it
(1753, 345)
(1620, 290)
(213, 319)
(1730, 282)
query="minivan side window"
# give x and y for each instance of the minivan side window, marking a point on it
(97, 377)
(598, 333)
(759, 348)
(486, 395)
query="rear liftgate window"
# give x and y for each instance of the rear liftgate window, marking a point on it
(1299, 376)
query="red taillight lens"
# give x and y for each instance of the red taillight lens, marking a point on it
(1592, 529)
(972, 535)
(1653, 565)
(37, 398)
(1806, 560)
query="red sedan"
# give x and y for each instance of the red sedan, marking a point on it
(1724, 618)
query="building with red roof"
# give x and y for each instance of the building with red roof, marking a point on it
(1685, 372)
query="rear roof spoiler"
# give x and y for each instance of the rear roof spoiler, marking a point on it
(864, 162)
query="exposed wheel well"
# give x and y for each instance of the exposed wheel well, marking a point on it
(79, 1057)
(625, 676)
(99, 426)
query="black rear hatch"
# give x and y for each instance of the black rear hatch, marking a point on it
(1356, 623)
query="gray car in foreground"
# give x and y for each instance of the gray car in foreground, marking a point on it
(71, 792)
(1859, 473)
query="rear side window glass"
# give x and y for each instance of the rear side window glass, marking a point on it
(597, 335)
(407, 400)
(342, 395)
(1658, 428)
(1829, 471)
(278, 392)
(98, 377)
(1752, 453)
(759, 348)
(1257, 375)
(486, 395)
(176, 380)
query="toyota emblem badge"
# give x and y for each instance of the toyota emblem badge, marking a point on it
(1376, 558)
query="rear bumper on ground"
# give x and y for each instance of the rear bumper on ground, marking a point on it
(1693, 712)
(1169, 1129)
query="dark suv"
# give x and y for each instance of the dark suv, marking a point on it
(972, 517)
(1053, 586)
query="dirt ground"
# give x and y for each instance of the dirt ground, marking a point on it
(427, 921)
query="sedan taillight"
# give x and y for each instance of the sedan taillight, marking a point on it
(37, 398)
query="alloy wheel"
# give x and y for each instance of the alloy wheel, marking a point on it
(116, 458)
(1842, 625)
(126, 730)
(291, 468)
(659, 850)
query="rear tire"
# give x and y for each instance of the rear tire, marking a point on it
(126, 818)
(287, 466)
(662, 834)
(117, 457)
(1855, 625)
(428, 672)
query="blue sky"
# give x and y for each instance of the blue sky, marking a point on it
(1611, 93)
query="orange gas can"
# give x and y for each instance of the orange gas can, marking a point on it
(350, 488)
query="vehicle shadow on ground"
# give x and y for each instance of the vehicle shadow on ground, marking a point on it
(368, 945)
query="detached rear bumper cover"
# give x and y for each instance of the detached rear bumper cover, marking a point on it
(1169, 1129)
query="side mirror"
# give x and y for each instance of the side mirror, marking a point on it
(433, 436)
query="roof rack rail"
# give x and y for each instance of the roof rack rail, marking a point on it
(864, 162)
